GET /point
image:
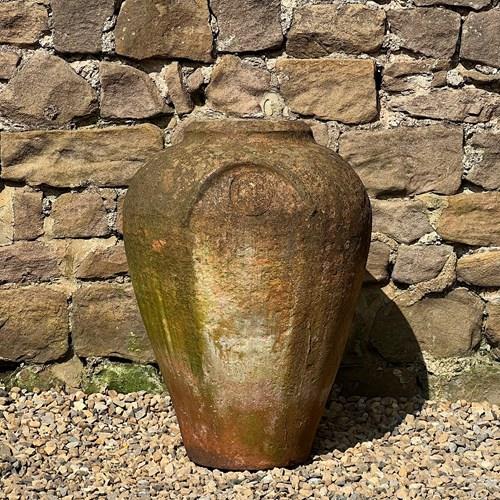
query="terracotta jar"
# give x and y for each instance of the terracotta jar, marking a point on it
(247, 245)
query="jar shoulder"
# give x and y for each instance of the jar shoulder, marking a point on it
(175, 178)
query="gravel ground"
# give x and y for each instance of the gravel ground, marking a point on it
(57, 445)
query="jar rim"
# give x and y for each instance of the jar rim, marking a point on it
(247, 126)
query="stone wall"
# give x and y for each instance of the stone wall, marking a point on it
(407, 92)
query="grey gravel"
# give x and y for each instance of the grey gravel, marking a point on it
(59, 445)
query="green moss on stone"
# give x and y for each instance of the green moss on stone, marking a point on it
(123, 378)
(134, 344)
(31, 378)
(473, 379)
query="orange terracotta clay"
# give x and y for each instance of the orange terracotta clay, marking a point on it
(247, 244)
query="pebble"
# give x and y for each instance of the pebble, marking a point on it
(77, 446)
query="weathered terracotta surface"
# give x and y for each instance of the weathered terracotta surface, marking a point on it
(247, 244)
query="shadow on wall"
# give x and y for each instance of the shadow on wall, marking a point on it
(383, 362)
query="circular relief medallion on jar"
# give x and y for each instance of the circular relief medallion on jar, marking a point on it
(252, 193)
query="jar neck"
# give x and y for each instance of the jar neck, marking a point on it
(248, 130)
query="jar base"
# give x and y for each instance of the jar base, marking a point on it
(238, 463)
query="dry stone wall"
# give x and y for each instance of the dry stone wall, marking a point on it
(407, 92)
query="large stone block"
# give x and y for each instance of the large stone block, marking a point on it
(77, 215)
(27, 206)
(471, 218)
(417, 263)
(486, 171)
(481, 37)
(378, 262)
(319, 30)
(442, 326)
(406, 160)
(104, 157)
(22, 22)
(106, 323)
(472, 381)
(470, 4)
(172, 74)
(431, 32)
(90, 258)
(46, 92)
(330, 89)
(6, 216)
(403, 220)
(28, 261)
(103, 262)
(469, 105)
(78, 24)
(128, 93)
(237, 87)
(492, 331)
(164, 28)
(401, 72)
(247, 25)
(21, 215)
(8, 64)
(480, 268)
(34, 324)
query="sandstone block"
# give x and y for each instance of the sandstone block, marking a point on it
(103, 262)
(480, 268)
(319, 30)
(164, 28)
(471, 218)
(405, 221)
(247, 25)
(401, 71)
(34, 324)
(417, 263)
(176, 89)
(128, 93)
(492, 331)
(378, 262)
(486, 172)
(478, 77)
(27, 214)
(46, 92)
(478, 382)
(6, 217)
(439, 79)
(22, 22)
(470, 105)
(8, 64)
(404, 65)
(78, 215)
(469, 4)
(237, 87)
(442, 326)
(406, 160)
(195, 80)
(106, 322)
(104, 157)
(87, 251)
(69, 373)
(21, 215)
(330, 89)
(320, 132)
(78, 24)
(28, 261)
(119, 214)
(431, 32)
(481, 38)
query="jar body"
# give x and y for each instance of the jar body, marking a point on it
(247, 245)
